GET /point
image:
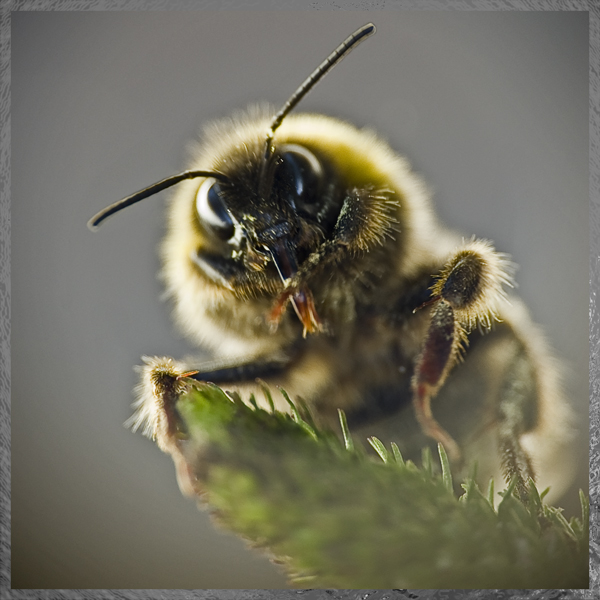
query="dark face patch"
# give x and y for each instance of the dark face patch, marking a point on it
(259, 241)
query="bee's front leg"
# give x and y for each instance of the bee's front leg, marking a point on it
(365, 220)
(465, 294)
(163, 381)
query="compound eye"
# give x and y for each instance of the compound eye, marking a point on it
(212, 211)
(298, 177)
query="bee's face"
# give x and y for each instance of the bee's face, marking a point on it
(262, 228)
(251, 230)
(258, 225)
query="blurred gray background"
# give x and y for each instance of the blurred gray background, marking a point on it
(490, 107)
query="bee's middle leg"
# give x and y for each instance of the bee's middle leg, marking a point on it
(464, 294)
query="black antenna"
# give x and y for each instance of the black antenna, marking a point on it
(340, 52)
(317, 75)
(159, 186)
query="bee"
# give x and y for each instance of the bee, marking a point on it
(305, 254)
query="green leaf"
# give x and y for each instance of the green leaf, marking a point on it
(338, 518)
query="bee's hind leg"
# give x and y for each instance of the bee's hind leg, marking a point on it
(515, 415)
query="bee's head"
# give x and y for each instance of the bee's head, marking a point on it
(273, 218)
(262, 211)
(258, 224)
